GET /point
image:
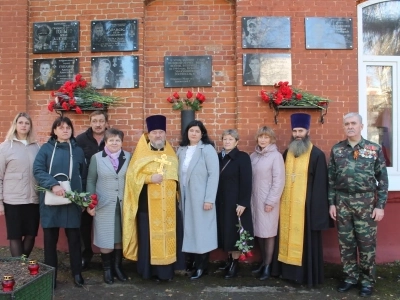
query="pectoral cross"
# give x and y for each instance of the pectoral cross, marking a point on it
(293, 175)
(163, 161)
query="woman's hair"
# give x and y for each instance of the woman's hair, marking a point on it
(12, 132)
(204, 136)
(232, 132)
(265, 130)
(111, 132)
(57, 122)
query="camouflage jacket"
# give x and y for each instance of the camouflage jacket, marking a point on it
(358, 170)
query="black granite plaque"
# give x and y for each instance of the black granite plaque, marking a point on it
(329, 33)
(56, 37)
(114, 35)
(115, 72)
(187, 71)
(51, 74)
(266, 32)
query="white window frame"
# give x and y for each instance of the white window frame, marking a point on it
(379, 60)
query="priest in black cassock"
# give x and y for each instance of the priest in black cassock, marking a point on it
(304, 210)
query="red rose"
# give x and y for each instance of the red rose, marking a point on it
(94, 202)
(91, 206)
(72, 102)
(65, 106)
(299, 96)
(242, 257)
(170, 100)
(189, 94)
(51, 105)
(175, 95)
(249, 254)
(93, 197)
(78, 110)
(265, 97)
(78, 77)
(200, 97)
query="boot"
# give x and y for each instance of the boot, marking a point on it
(107, 275)
(118, 272)
(265, 273)
(258, 270)
(225, 265)
(233, 269)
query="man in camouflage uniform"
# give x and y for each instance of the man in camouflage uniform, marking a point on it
(358, 187)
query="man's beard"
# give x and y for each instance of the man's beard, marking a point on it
(299, 147)
(158, 144)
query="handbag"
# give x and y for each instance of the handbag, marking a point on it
(49, 197)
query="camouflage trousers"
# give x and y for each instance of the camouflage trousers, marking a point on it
(357, 234)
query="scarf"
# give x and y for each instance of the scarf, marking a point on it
(113, 157)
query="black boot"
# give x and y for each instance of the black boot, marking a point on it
(233, 269)
(107, 275)
(265, 273)
(117, 265)
(258, 270)
(225, 265)
(78, 280)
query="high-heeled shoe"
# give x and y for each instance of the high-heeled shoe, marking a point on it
(78, 280)
(198, 274)
(233, 269)
(265, 273)
(258, 270)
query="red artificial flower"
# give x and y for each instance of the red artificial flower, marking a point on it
(170, 100)
(265, 97)
(189, 94)
(72, 103)
(78, 110)
(78, 77)
(97, 104)
(175, 95)
(299, 96)
(65, 106)
(200, 97)
(51, 105)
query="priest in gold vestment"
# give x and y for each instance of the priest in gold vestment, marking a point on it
(152, 223)
(304, 210)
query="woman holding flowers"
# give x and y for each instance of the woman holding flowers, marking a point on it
(106, 178)
(18, 198)
(233, 199)
(61, 152)
(268, 182)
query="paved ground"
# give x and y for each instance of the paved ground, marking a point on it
(212, 286)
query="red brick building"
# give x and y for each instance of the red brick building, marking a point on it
(214, 27)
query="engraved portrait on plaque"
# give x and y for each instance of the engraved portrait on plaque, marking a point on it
(187, 71)
(115, 72)
(266, 32)
(51, 74)
(329, 33)
(114, 35)
(266, 69)
(56, 37)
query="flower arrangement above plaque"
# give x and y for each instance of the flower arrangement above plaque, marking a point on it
(187, 71)
(114, 35)
(56, 37)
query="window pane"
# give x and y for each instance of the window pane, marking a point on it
(381, 28)
(380, 109)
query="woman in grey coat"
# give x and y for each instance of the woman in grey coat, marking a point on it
(198, 182)
(64, 147)
(106, 178)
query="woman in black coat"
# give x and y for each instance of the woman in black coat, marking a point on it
(233, 198)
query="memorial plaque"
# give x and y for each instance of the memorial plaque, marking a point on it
(114, 35)
(51, 74)
(115, 72)
(329, 33)
(266, 32)
(56, 37)
(187, 71)
(266, 69)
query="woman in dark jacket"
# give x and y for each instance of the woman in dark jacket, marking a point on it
(233, 198)
(68, 216)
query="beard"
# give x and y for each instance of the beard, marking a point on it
(299, 147)
(158, 144)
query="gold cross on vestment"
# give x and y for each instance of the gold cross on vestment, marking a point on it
(163, 161)
(293, 175)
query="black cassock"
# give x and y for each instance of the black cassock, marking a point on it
(311, 272)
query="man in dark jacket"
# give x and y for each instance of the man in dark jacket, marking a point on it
(91, 141)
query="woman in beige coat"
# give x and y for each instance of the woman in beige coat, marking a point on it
(18, 198)
(268, 182)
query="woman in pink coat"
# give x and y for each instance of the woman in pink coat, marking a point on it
(268, 182)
